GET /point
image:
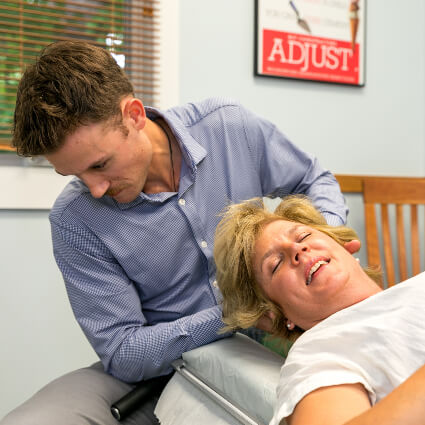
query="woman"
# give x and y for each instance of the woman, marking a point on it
(290, 273)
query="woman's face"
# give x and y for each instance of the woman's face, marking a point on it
(308, 274)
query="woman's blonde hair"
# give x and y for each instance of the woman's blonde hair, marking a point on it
(244, 301)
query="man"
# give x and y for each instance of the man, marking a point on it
(133, 233)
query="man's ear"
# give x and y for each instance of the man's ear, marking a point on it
(352, 246)
(133, 112)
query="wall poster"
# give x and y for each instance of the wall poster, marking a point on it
(318, 40)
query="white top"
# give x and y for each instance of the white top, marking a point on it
(378, 342)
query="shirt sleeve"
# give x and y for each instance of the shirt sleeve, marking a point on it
(308, 368)
(291, 391)
(107, 306)
(285, 169)
(337, 351)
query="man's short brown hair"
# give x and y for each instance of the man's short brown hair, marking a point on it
(72, 83)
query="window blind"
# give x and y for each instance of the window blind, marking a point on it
(129, 29)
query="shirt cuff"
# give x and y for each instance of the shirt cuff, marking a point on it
(332, 219)
(205, 326)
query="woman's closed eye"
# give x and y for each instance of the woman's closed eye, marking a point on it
(302, 236)
(277, 263)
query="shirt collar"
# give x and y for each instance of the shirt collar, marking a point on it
(192, 152)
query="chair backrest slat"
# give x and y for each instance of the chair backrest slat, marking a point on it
(401, 244)
(372, 241)
(388, 251)
(414, 237)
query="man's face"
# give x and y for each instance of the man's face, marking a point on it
(304, 271)
(106, 160)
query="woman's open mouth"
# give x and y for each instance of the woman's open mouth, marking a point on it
(314, 268)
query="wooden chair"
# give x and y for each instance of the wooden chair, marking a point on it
(405, 193)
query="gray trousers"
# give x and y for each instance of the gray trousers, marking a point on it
(82, 397)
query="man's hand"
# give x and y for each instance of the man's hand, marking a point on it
(353, 246)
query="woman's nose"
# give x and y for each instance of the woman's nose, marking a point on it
(298, 248)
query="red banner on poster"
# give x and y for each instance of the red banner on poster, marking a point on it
(307, 57)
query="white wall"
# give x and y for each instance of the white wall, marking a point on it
(40, 338)
(378, 129)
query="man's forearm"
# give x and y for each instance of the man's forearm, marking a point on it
(149, 351)
(327, 197)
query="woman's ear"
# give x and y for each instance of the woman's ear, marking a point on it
(265, 323)
(352, 246)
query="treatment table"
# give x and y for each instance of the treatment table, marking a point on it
(228, 382)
